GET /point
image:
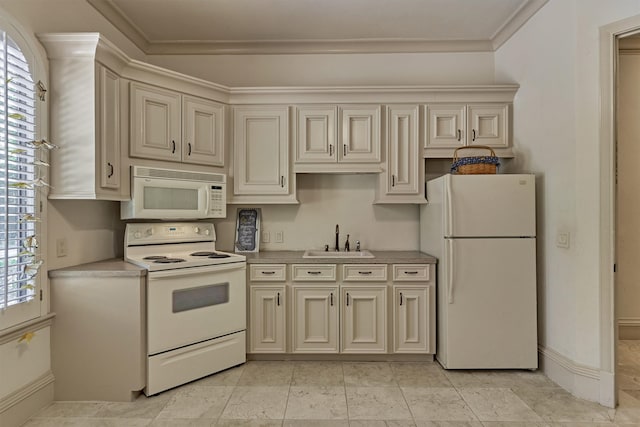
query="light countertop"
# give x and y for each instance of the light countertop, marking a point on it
(115, 267)
(381, 257)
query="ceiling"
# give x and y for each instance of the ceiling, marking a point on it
(316, 26)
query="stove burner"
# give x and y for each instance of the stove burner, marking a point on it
(154, 257)
(166, 260)
(210, 254)
(216, 255)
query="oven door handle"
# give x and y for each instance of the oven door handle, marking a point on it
(208, 269)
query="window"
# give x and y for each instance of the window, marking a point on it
(22, 183)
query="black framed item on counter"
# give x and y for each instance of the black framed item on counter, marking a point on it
(247, 230)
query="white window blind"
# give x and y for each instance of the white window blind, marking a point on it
(20, 182)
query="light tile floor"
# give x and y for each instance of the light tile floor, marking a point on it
(363, 394)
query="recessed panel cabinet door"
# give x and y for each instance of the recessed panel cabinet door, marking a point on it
(203, 140)
(267, 319)
(261, 142)
(316, 134)
(364, 319)
(315, 319)
(412, 310)
(155, 123)
(403, 154)
(360, 126)
(446, 126)
(109, 127)
(488, 125)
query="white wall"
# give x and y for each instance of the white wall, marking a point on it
(628, 205)
(555, 59)
(335, 69)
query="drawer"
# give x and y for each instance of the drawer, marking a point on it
(410, 272)
(313, 272)
(364, 272)
(268, 272)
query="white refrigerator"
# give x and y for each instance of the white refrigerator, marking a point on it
(482, 229)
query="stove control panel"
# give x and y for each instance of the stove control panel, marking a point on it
(143, 234)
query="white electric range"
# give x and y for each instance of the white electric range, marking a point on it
(196, 301)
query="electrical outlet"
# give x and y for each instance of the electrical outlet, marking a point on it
(266, 237)
(563, 239)
(279, 236)
(61, 247)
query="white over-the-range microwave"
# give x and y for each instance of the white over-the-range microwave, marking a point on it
(175, 194)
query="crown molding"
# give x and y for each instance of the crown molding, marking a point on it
(305, 46)
(292, 47)
(515, 22)
(118, 19)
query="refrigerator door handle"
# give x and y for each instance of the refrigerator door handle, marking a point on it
(447, 198)
(450, 270)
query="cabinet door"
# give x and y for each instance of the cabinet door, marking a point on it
(261, 144)
(403, 155)
(446, 126)
(315, 319)
(155, 123)
(316, 134)
(267, 329)
(203, 132)
(360, 131)
(109, 127)
(412, 312)
(364, 319)
(488, 125)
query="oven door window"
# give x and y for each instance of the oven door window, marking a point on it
(201, 296)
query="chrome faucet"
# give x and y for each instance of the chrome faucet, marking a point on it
(346, 244)
(337, 248)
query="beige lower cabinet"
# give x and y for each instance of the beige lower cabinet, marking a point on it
(412, 309)
(268, 317)
(364, 319)
(315, 319)
(342, 308)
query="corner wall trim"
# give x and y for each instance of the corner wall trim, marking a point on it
(579, 380)
(26, 391)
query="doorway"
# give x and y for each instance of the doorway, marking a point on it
(627, 219)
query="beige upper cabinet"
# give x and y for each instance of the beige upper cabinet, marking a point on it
(403, 178)
(166, 125)
(261, 171)
(109, 129)
(450, 126)
(342, 138)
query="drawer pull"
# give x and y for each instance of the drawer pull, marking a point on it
(315, 273)
(365, 273)
(268, 273)
(411, 272)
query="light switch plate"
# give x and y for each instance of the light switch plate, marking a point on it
(279, 236)
(266, 237)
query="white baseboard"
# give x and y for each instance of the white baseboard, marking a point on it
(629, 328)
(581, 381)
(16, 408)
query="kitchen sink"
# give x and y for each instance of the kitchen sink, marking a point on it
(319, 253)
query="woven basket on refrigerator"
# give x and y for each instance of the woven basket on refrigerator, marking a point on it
(475, 165)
